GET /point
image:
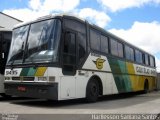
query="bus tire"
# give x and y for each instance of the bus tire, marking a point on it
(146, 86)
(92, 91)
(5, 96)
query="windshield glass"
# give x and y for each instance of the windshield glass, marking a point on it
(17, 45)
(43, 41)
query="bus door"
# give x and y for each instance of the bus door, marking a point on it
(68, 80)
(5, 45)
(1, 54)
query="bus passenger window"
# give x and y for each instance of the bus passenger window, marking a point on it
(69, 44)
(120, 50)
(95, 40)
(81, 45)
(69, 53)
(152, 64)
(129, 52)
(146, 59)
(138, 55)
(104, 44)
(116, 48)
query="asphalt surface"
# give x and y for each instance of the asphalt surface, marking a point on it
(134, 103)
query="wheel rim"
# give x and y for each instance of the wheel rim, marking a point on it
(94, 90)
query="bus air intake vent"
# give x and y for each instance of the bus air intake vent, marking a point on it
(23, 78)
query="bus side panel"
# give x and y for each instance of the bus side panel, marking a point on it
(110, 85)
(131, 77)
(100, 66)
(121, 77)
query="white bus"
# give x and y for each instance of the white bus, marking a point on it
(63, 57)
(5, 39)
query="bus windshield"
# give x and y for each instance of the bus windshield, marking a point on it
(37, 44)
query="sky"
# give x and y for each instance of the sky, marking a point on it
(135, 21)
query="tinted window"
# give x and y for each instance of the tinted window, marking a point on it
(120, 50)
(75, 25)
(129, 53)
(81, 35)
(116, 48)
(152, 61)
(81, 45)
(138, 55)
(104, 44)
(146, 59)
(95, 39)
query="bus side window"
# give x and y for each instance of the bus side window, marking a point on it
(129, 53)
(80, 29)
(104, 44)
(81, 46)
(146, 59)
(69, 43)
(95, 37)
(69, 54)
(152, 61)
(116, 48)
(138, 55)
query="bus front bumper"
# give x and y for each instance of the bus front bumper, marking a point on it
(33, 90)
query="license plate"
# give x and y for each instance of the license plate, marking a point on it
(20, 88)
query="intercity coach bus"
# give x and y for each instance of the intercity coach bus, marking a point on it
(5, 40)
(64, 57)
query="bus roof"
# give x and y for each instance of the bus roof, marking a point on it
(5, 30)
(47, 17)
(83, 20)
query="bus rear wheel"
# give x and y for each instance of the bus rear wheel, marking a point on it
(146, 87)
(92, 92)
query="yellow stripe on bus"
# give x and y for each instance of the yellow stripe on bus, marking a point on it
(138, 81)
(132, 77)
(40, 71)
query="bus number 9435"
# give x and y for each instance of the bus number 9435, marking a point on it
(11, 72)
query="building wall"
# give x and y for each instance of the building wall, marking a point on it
(7, 22)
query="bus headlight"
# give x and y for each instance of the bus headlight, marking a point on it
(42, 78)
(52, 79)
(7, 78)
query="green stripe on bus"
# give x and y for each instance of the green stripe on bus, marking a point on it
(24, 72)
(123, 82)
(114, 65)
(32, 71)
(122, 66)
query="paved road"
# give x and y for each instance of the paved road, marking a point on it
(114, 104)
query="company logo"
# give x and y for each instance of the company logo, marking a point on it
(99, 63)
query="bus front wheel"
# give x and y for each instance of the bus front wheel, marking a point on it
(5, 96)
(92, 92)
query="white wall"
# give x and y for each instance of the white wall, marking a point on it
(7, 22)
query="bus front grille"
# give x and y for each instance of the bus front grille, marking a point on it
(16, 78)
(23, 78)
